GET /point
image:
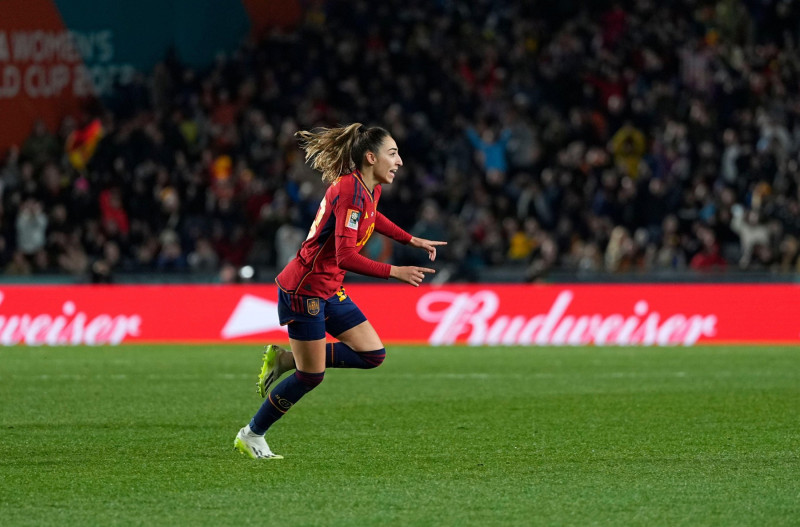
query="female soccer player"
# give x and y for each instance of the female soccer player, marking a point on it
(355, 161)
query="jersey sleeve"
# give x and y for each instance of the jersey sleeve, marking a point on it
(348, 216)
(388, 228)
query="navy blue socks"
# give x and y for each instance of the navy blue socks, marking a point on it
(283, 397)
(340, 355)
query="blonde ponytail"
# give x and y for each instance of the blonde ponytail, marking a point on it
(329, 150)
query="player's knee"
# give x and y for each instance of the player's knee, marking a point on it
(373, 359)
(309, 380)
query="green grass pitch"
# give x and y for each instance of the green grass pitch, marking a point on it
(142, 435)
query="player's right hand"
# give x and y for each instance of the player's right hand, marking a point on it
(410, 274)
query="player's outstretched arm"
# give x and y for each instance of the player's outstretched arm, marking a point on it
(409, 274)
(426, 245)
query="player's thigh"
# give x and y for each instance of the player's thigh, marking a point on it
(342, 314)
(304, 318)
(309, 355)
(362, 337)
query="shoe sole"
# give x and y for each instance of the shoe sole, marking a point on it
(267, 376)
(240, 447)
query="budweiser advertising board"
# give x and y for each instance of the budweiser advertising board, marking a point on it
(470, 314)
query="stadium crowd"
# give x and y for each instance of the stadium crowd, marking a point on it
(583, 136)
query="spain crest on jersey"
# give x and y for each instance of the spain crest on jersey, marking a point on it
(312, 306)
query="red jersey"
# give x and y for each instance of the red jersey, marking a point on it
(345, 220)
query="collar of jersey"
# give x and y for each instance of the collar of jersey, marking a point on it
(360, 178)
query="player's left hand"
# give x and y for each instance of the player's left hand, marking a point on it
(427, 245)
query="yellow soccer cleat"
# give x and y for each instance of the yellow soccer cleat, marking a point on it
(270, 369)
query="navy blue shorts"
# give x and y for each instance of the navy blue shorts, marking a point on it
(310, 317)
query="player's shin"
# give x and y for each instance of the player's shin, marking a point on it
(283, 397)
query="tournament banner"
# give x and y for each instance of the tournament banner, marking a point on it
(478, 314)
(57, 55)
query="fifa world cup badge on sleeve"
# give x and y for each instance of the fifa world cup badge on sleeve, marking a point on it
(352, 219)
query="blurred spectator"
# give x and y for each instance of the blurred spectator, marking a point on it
(628, 145)
(752, 233)
(170, 256)
(102, 270)
(670, 255)
(41, 147)
(288, 239)
(31, 227)
(790, 255)
(543, 261)
(522, 241)
(619, 251)
(203, 258)
(490, 150)
(19, 265)
(709, 257)
(114, 217)
(430, 226)
(589, 258)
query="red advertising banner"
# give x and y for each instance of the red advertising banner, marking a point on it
(468, 314)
